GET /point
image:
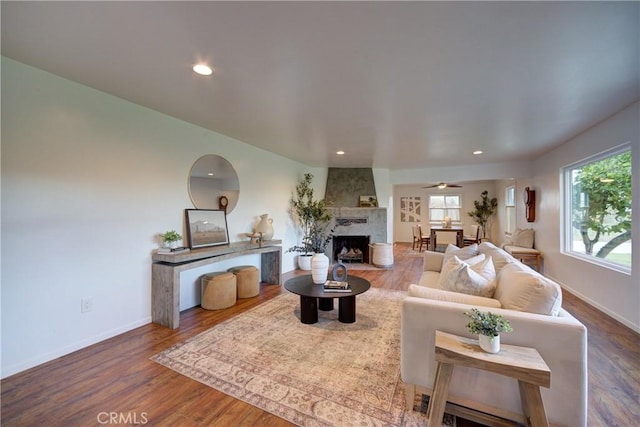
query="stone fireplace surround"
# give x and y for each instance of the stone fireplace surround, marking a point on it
(357, 222)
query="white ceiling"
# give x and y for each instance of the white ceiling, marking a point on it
(395, 85)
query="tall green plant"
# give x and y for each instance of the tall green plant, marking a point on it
(605, 187)
(312, 216)
(483, 213)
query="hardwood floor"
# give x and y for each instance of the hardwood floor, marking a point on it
(114, 381)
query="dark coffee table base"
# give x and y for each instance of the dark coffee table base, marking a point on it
(347, 309)
(308, 310)
(325, 304)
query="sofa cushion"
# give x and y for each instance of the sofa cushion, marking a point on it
(442, 295)
(477, 279)
(520, 288)
(520, 250)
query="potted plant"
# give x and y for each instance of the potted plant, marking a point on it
(483, 212)
(488, 326)
(171, 239)
(313, 217)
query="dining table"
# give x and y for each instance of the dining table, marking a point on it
(453, 229)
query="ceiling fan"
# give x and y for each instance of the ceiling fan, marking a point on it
(442, 185)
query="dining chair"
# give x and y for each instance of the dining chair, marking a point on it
(424, 238)
(472, 238)
(416, 237)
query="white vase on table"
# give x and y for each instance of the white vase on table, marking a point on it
(489, 344)
(319, 268)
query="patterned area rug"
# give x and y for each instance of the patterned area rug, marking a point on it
(326, 374)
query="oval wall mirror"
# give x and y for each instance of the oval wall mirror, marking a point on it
(211, 180)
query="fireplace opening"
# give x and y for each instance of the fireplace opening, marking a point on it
(351, 249)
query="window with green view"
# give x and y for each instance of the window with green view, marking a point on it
(598, 214)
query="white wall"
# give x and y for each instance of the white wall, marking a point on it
(613, 292)
(88, 181)
(469, 193)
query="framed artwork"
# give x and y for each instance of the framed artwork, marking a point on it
(410, 209)
(368, 202)
(206, 227)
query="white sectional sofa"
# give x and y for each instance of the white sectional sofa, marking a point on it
(531, 303)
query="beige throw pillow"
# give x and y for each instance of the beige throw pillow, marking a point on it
(478, 279)
(462, 253)
(452, 263)
(523, 238)
(520, 288)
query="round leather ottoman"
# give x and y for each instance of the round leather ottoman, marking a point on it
(247, 279)
(218, 290)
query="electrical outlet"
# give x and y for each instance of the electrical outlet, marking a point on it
(86, 305)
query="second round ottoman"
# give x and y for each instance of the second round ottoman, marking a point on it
(218, 290)
(247, 279)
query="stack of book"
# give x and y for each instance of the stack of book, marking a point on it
(333, 286)
(173, 251)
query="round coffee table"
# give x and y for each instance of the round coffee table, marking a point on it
(313, 297)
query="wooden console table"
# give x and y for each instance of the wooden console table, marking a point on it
(166, 269)
(522, 363)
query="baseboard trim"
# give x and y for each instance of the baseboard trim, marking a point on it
(596, 305)
(63, 351)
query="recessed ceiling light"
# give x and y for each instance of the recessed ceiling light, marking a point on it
(210, 174)
(340, 152)
(477, 152)
(205, 70)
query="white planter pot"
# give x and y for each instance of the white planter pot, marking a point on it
(172, 245)
(304, 262)
(489, 344)
(319, 268)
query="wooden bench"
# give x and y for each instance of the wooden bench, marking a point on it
(529, 256)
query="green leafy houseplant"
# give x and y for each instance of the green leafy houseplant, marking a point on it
(171, 236)
(483, 212)
(313, 218)
(487, 323)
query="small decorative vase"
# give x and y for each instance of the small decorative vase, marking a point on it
(172, 245)
(489, 344)
(265, 226)
(304, 261)
(319, 268)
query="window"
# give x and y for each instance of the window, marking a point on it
(510, 210)
(598, 209)
(442, 205)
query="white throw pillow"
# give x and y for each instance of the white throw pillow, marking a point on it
(478, 279)
(520, 288)
(453, 263)
(462, 253)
